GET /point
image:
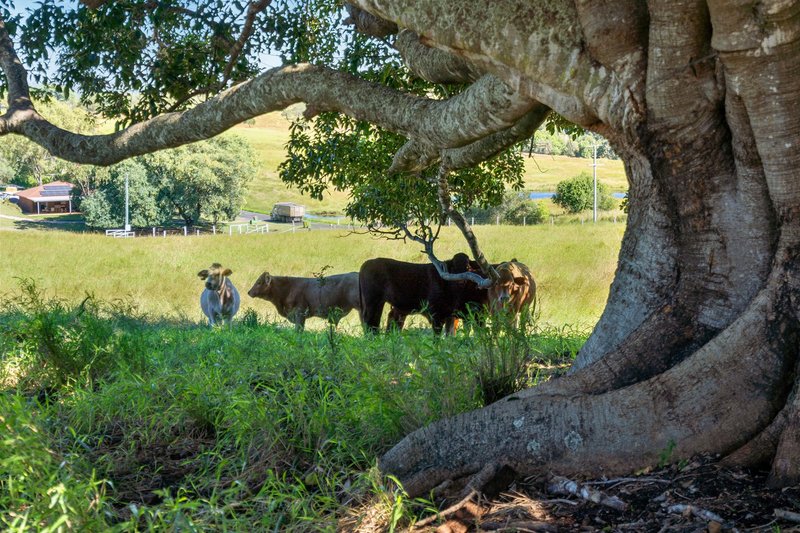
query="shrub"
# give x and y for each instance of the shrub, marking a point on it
(527, 212)
(575, 194)
(515, 208)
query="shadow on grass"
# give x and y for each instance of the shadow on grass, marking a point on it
(70, 222)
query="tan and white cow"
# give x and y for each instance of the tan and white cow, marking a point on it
(220, 299)
(514, 290)
(329, 297)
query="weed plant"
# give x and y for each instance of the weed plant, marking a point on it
(157, 425)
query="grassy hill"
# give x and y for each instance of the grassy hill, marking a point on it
(269, 133)
(573, 264)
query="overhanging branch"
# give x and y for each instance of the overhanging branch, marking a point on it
(415, 156)
(487, 106)
(432, 64)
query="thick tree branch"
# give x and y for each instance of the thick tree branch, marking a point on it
(415, 156)
(369, 24)
(434, 65)
(538, 51)
(487, 106)
(617, 40)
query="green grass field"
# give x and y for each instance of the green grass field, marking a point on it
(573, 264)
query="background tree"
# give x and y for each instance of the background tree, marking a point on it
(206, 180)
(577, 194)
(699, 99)
(203, 180)
(104, 206)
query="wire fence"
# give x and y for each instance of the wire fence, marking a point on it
(250, 228)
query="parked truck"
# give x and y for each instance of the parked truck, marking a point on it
(288, 212)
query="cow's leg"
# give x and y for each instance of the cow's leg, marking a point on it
(371, 316)
(437, 324)
(396, 320)
(450, 326)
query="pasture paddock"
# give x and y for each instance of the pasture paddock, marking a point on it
(573, 264)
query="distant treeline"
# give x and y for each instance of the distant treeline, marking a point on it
(560, 143)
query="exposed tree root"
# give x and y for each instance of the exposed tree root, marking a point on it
(620, 430)
(785, 466)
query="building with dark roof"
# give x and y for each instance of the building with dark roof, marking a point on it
(49, 198)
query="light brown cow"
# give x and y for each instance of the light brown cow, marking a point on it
(296, 299)
(514, 290)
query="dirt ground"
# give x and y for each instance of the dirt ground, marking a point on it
(694, 497)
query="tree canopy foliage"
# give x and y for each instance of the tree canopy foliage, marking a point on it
(203, 181)
(174, 55)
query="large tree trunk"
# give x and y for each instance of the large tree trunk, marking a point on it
(696, 350)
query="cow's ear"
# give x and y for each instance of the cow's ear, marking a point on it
(227, 272)
(266, 278)
(203, 274)
(520, 280)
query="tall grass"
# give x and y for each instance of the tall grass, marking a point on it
(259, 428)
(573, 265)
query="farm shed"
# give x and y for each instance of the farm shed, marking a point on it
(49, 198)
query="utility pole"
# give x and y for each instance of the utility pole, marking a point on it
(594, 182)
(127, 219)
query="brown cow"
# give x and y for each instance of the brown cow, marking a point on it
(515, 288)
(415, 288)
(329, 297)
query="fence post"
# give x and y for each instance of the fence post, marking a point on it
(185, 231)
(523, 220)
(473, 221)
(154, 232)
(165, 234)
(230, 231)
(497, 220)
(198, 232)
(214, 229)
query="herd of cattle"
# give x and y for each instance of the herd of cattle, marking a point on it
(408, 288)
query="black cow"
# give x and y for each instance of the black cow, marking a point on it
(416, 288)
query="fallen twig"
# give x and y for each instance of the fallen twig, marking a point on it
(681, 508)
(628, 480)
(787, 515)
(562, 485)
(519, 525)
(450, 510)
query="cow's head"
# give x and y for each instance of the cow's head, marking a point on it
(511, 282)
(458, 264)
(261, 287)
(214, 276)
